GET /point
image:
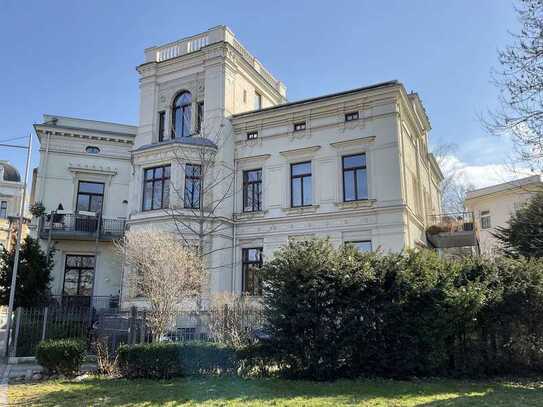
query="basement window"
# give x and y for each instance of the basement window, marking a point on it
(299, 126)
(252, 135)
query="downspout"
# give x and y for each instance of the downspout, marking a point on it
(234, 227)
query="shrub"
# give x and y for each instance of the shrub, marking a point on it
(63, 356)
(150, 360)
(207, 358)
(164, 360)
(336, 312)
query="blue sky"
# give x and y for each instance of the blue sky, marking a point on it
(78, 58)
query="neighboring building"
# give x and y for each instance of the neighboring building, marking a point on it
(11, 190)
(83, 177)
(352, 166)
(492, 207)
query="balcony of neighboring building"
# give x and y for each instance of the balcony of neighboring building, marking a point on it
(80, 226)
(452, 230)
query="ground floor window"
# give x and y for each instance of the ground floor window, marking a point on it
(251, 262)
(78, 275)
(363, 246)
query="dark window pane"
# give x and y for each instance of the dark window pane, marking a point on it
(83, 203)
(364, 246)
(354, 161)
(158, 172)
(308, 192)
(362, 184)
(187, 113)
(71, 278)
(348, 185)
(302, 168)
(85, 282)
(157, 195)
(166, 194)
(147, 195)
(96, 203)
(296, 192)
(149, 173)
(91, 187)
(183, 99)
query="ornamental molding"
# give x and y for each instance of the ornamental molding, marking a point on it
(341, 145)
(92, 169)
(300, 152)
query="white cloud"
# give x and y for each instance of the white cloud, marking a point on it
(480, 176)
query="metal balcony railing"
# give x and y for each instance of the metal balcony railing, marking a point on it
(449, 230)
(74, 226)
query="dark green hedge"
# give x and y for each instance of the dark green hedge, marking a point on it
(63, 356)
(336, 312)
(164, 360)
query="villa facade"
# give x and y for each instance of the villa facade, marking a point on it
(218, 141)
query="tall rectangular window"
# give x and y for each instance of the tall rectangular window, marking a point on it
(355, 183)
(78, 275)
(161, 124)
(258, 101)
(252, 190)
(301, 188)
(90, 196)
(485, 220)
(199, 117)
(193, 183)
(156, 188)
(251, 260)
(3, 209)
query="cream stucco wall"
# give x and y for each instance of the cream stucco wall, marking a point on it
(392, 130)
(500, 201)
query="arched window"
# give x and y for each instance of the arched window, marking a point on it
(181, 115)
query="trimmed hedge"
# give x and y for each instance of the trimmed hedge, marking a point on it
(165, 360)
(63, 356)
(338, 313)
(150, 360)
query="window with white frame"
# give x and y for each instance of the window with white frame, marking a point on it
(363, 246)
(355, 182)
(485, 220)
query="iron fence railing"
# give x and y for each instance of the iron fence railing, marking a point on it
(74, 224)
(453, 222)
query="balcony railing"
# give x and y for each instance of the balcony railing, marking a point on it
(80, 227)
(452, 230)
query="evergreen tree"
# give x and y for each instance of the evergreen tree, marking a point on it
(524, 234)
(33, 275)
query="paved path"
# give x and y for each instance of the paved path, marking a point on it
(4, 377)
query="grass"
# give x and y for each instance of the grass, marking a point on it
(232, 391)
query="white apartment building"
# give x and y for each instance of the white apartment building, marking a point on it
(352, 166)
(492, 207)
(11, 190)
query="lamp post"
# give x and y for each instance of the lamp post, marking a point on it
(18, 245)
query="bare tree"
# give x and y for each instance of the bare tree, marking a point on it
(453, 186)
(233, 318)
(166, 272)
(520, 82)
(203, 205)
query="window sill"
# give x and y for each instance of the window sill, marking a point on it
(300, 210)
(250, 215)
(363, 203)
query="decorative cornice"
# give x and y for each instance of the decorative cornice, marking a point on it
(91, 169)
(339, 145)
(300, 152)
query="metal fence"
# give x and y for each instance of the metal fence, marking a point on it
(113, 326)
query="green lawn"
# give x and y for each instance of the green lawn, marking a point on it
(273, 392)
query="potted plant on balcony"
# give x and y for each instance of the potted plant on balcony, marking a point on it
(37, 209)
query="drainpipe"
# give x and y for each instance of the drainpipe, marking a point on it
(234, 228)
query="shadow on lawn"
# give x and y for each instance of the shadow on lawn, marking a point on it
(229, 391)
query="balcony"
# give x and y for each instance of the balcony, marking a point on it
(80, 227)
(452, 230)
